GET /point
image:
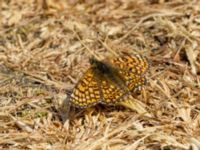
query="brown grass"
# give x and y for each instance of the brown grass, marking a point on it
(44, 50)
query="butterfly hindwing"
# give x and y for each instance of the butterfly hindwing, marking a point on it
(111, 92)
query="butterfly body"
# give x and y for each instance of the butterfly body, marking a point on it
(108, 81)
(105, 70)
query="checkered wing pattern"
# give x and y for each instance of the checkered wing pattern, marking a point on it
(111, 93)
(108, 82)
(86, 93)
(132, 69)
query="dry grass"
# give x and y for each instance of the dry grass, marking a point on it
(44, 49)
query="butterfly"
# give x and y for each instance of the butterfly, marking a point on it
(109, 80)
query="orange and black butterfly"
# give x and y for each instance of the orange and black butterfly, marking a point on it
(108, 81)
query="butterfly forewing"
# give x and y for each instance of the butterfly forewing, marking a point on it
(86, 93)
(135, 64)
(132, 69)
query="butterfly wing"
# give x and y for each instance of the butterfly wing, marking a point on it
(111, 92)
(133, 81)
(132, 69)
(86, 93)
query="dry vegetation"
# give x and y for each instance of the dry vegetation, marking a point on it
(44, 50)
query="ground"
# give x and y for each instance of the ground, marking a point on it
(45, 46)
